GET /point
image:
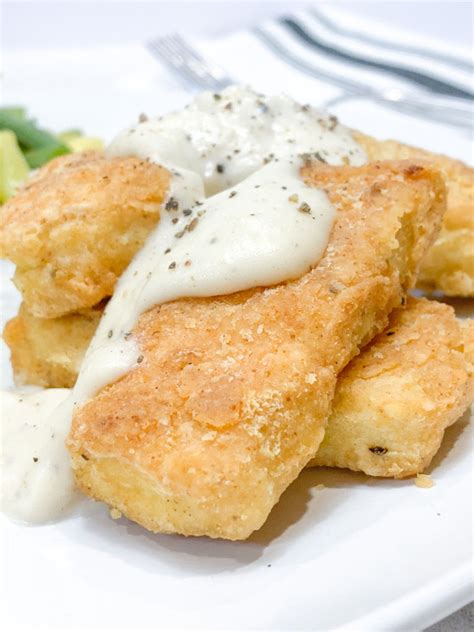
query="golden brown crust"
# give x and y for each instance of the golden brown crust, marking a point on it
(75, 226)
(48, 351)
(449, 265)
(394, 401)
(231, 399)
(467, 331)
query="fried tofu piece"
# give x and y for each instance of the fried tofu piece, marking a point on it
(49, 351)
(233, 393)
(73, 229)
(407, 398)
(449, 265)
(394, 401)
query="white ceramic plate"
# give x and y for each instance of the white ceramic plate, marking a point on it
(358, 553)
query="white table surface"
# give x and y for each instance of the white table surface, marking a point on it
(75, 23)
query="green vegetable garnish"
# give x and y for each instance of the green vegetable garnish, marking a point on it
(31, 137)
(25, 146)
(68, 134)
(85, 143)
(38, 157)
(76, 141)
(15, 110)
(13, 167)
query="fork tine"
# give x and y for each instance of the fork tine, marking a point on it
(213, 68)
(181, 46)
(206, 70)
(175, 63)
(192, 62)
(182, 59)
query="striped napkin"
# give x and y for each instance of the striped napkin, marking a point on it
(338, 61)
(317, 56)
(344, 57)
(332, 49)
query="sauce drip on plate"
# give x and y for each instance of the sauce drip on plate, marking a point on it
(261, 226)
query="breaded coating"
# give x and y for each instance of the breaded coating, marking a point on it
(232, 395)
(49, 351)
(73, 229)
(449, 265)
(395, 400)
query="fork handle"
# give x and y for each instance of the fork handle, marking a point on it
(452, 110)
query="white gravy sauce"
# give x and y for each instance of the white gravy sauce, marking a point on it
(269, 228)
(228, 136)
(36, 477)
(262, 226)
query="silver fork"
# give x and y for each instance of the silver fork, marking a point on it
(191, 66)
(186, 62)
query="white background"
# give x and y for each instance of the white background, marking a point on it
(57, 25)
(69, 24)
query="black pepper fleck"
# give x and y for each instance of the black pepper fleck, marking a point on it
(378, 450)
(172, 204)
(304, 207)
(192, 225)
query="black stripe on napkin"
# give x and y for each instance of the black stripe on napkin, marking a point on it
(444, 58)
(356, 89)
(435, 85)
